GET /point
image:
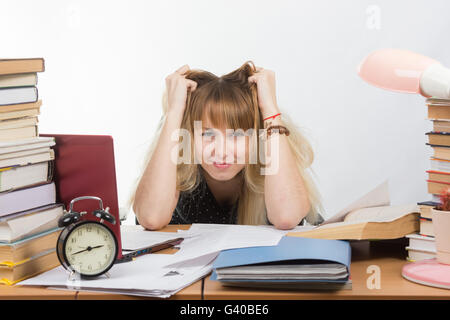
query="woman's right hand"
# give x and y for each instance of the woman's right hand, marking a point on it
(177, 87)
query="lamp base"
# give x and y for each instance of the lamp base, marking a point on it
(428, 272)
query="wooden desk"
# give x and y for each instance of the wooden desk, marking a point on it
(34, 293)
(389, 257)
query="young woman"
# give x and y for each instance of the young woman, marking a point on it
(226, 186)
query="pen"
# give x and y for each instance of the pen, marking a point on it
(139, 252)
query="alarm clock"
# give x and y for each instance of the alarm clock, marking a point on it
(87, 248)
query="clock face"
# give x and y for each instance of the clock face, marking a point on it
(90, 248)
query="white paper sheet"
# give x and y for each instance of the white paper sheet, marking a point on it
(136, 237)
(202, 227)
(217, 237)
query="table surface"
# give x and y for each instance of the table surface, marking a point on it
(389, 257)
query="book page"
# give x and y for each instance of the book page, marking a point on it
(381, 213)
(379, 196)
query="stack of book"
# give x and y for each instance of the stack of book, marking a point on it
(439, 140)
(422, 245)
(29, 212)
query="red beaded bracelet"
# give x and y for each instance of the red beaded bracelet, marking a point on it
(272, 116)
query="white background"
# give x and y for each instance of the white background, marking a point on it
(106, 62)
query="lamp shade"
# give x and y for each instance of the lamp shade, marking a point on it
(395, 69)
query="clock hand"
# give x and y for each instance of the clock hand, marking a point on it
(87, 249)
(80, 251)
(97, 246)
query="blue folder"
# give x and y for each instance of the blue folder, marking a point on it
(288, 249)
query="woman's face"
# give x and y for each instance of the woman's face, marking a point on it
(224, 153)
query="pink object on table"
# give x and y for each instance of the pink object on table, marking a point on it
(406, 71)
(428, 272)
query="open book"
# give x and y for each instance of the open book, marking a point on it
(370, 217)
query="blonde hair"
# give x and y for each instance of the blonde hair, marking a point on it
(231, 101)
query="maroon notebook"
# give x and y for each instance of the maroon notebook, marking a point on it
(84, 166)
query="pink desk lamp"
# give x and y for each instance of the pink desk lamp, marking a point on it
(406, 71)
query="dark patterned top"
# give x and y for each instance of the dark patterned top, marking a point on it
(200, 206)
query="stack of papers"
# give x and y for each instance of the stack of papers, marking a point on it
(145, 276)
(162, 275)
(324, 271)
(293, 263)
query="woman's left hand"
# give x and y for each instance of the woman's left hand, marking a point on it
(267, 98)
